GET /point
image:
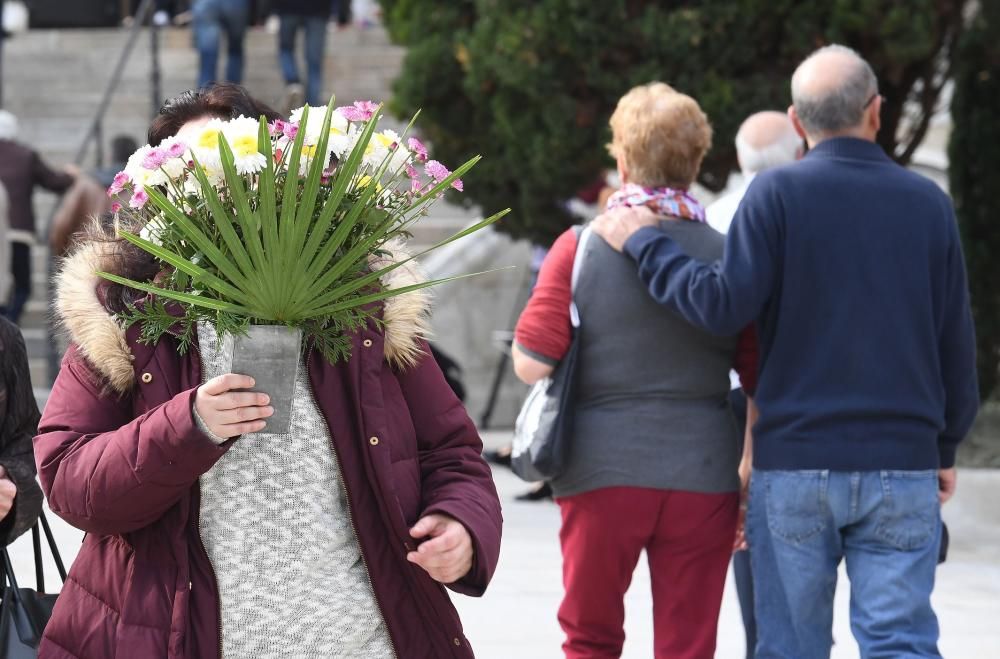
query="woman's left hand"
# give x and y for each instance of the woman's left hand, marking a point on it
(7, 493)
(447, 553)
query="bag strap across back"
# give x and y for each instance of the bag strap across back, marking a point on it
(581, 246)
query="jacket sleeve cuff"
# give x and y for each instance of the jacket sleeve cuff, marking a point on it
(946, 455)
(474, 583)
(203, 427)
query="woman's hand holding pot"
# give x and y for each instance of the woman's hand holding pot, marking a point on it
(229, 413)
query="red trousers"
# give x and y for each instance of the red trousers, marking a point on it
(688, 538)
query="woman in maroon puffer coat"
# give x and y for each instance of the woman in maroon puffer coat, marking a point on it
(208, 537)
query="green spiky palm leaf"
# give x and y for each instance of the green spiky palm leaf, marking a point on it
(288, 245)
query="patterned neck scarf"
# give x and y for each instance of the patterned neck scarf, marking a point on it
(662, 201)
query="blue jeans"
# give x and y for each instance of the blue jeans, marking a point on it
(210, 20)
(886, 526)
(315, 29)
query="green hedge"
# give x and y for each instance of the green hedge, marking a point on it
(974, 155)
(530, 84)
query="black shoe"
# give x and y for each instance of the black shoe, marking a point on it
(540, 493)
(500, 457)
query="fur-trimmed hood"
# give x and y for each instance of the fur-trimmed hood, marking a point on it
(100, 338)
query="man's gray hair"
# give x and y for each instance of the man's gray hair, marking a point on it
(839, 106)
(782, 151)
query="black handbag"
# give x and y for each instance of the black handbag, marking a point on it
(543, 430)
(25, 612)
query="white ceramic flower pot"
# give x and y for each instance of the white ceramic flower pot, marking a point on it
(270, 355)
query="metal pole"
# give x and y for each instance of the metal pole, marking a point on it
(140, 15)
(155, 75)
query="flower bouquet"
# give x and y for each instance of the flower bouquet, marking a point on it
(283, 223)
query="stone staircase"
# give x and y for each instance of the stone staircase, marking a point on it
(54, 80)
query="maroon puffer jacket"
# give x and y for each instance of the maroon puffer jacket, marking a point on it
(122, 461)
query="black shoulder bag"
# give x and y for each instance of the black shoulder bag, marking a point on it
(25, 612)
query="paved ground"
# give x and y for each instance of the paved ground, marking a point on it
(517, 617)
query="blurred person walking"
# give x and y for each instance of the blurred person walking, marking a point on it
(21, 171)
(310, 17)
(852, 268)
(652, 461)
(87, 198)
(211, 19)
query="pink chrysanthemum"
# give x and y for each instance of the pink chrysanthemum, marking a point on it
(276, 127)
(154, 159)
(436, 171)
(139, 199)
(458, 185)
(177, 149)
(290, 130)
(417, 147)
(121, 180)
(360, 111)
(116, 206)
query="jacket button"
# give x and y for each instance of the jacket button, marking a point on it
(367, 343)
(147, 378)
(373, 441)
(457, 642)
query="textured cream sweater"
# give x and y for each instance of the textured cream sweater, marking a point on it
(276, 524)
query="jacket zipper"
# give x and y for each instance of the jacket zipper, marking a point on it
(350, 513)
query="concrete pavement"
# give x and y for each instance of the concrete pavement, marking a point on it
(517, 618)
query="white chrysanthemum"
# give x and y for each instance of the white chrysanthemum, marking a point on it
(204, 144)
(152, 232)
(138, 174)
(338, 126)
(241, 134)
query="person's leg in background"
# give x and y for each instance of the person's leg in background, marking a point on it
(315, 53)
(206, 31)
(891, 555)
(688, 558)
(602, 535)
(235, 18)
(742, 573)
(795, 575)
(288, 30)
(20, 270)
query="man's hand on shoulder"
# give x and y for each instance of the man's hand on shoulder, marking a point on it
(617, 225)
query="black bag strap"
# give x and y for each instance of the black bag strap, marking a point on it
(53, 548)
(8, 572)
(36, 542)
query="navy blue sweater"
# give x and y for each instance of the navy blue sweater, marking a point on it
(852, 268)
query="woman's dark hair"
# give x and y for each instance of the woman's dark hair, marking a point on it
(222, 99)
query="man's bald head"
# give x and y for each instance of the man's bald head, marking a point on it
(765, 140)
(831, 90)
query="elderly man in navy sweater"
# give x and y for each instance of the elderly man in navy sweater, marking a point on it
(852, 268)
